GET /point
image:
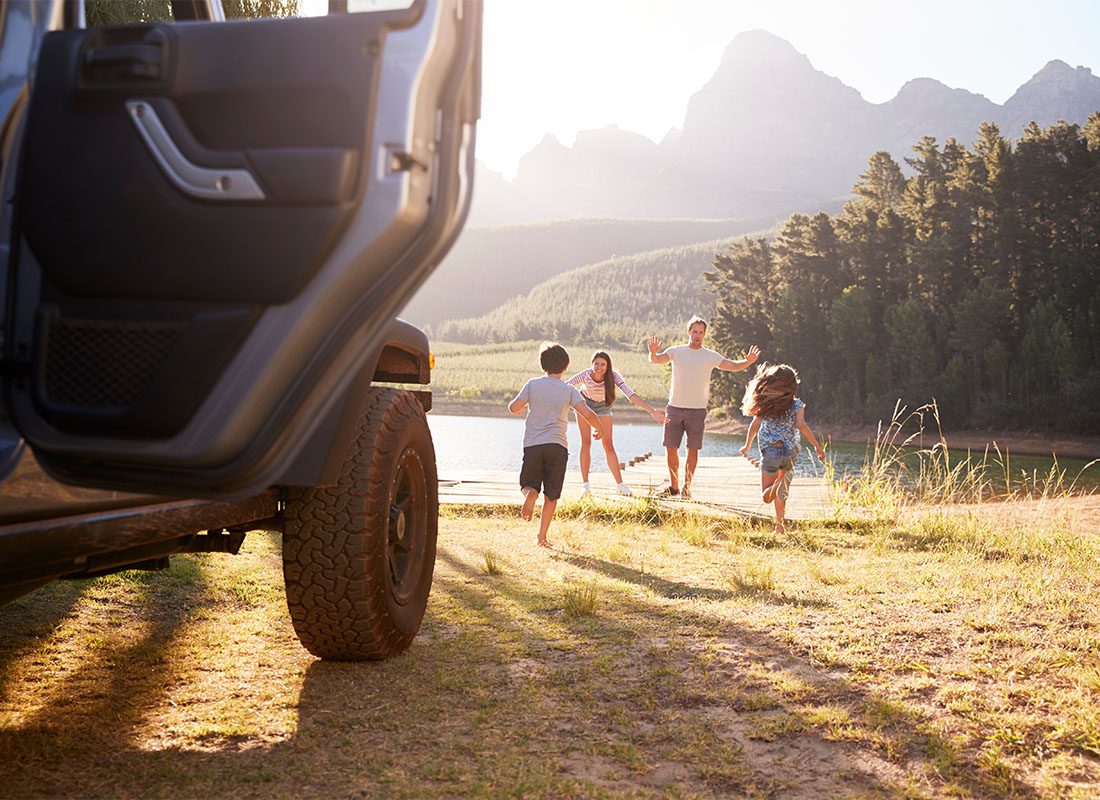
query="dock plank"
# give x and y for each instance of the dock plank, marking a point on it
(723, 483)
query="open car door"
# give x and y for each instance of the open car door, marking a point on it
(214, 223)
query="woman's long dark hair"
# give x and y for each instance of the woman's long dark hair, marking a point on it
(608, 378)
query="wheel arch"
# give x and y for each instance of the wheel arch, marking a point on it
(404, 357)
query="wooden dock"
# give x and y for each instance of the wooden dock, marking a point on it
(727, 484)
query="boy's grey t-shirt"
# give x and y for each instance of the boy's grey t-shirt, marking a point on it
(548, 401)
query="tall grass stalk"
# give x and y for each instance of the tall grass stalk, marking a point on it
(901, 470)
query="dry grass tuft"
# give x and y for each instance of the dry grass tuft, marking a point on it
(491, 563)
(580, 601)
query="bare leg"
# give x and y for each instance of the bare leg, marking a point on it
(673, 467)
(768, 487)
(548, 507)
(780, 509)
(766, 481)
(609, 450)
(773, 487)
(586, 446)
(529, 498)
(689, 467)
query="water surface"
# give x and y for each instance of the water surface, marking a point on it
(496, 443)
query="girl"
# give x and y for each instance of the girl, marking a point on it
(778, 417)
(597, 385)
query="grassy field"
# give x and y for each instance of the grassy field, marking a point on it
(491, 374)
(651, 653)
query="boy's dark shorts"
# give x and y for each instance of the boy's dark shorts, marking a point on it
(544, 469)
(685, 420)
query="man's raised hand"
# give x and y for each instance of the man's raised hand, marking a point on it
(752, 355)
(654, 345)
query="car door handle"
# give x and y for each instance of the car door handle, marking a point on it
(139, 60)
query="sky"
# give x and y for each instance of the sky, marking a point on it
(568, 65)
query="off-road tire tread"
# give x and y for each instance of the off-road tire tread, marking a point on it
(333, 547)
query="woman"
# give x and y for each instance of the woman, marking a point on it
(597, 384)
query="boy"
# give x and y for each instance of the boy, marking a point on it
(545, 450)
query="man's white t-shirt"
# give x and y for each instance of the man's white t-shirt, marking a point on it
(691, 375)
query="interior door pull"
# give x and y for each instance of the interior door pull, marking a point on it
(140, 60)
(206, 183)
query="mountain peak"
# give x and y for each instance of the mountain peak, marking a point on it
(1058, 72)
(1057, 91)
(923, 91)
(923, 85)
(550, 141)
(760, 46)
(1054, 68)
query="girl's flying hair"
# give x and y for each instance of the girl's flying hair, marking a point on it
(608, 378)
(771, 392)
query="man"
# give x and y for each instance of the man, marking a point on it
(687, 399)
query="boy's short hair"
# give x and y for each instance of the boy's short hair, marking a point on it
(553, 358)
(695, 319)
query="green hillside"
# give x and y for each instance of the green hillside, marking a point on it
(620, 300)
(487, 266)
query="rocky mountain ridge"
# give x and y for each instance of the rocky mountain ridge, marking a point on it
(767, 134)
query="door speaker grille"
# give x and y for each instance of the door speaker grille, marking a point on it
(105, 364)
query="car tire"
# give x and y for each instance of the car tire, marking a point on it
(358, 556)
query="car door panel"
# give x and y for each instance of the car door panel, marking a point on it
(262, 250)
(232, 325)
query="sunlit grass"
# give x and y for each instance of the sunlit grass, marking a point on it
(492, 373)
(954, 650)
(902, 472)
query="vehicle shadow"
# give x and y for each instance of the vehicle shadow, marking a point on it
(25, 623)
(502, 690)
(82, 718)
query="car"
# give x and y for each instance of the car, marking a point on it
(209, 226)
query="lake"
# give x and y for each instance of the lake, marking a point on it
(496, 443)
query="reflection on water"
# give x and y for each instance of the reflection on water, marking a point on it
(496, 443)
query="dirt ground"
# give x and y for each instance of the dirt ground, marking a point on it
(688, 658)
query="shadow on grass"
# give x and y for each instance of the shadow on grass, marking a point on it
(917, 739)
(657, 585)
(675, 590)
(112, 685)
(27, 622)
(449, 717)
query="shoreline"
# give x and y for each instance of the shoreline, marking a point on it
(1023, 443)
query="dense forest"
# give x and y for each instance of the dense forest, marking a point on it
(976, 281)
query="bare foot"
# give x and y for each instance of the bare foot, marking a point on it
(528, 506)
(779, 528)
(769, 492)
(544, 542)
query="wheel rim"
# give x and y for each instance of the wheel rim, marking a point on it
(407, 526)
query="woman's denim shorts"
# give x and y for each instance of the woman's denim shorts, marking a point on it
(775, 457)
(598, 407)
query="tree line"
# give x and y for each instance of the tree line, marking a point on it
(975, 281)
